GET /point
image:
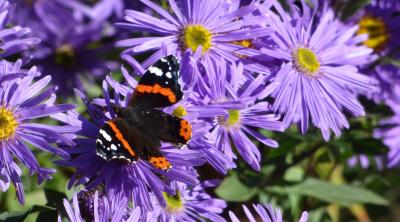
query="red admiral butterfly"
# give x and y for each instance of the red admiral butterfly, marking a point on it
(138, 130)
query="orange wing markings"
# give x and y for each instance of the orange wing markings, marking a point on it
(160, 163)
(186, 130)
(121, 138)
(157, 89)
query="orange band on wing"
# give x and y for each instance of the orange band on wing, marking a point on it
(160, 162)
(121, 138)
(157, 89)
(186, 130)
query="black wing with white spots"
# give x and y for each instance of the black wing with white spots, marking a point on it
(115, 141)
(159, 86)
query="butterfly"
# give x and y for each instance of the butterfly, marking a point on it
(138, 130)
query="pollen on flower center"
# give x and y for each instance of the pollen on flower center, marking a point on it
(65, 55)
(306, 61)
(244, 43)
(8, 124)
(377, 32)
(232, 120)
(179, 111)
(195, 35)
(174, 202)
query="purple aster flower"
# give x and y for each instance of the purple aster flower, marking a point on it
(386, 4)
(103, 10)
(11, 71)
(70, 57)
(225, 90)
(318, 78)
(92, 206)
(212, 32)
(67, 53)
(132, 180)
(189, 204)
(100, 11)
(47, 19)
(364, 161)
(23, 100)
(266, 213)
(389, 133)
(14, 39)
(381, 24)
(387, 76)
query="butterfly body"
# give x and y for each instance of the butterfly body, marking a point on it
(138, 130)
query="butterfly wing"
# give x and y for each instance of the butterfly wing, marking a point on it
(114, 141)
(166, 127)
(119, 140)
(149, 146)
(159, 86)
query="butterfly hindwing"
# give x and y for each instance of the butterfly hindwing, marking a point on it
(166, 127)
(159, 86)
(114, 141)
(118, 139)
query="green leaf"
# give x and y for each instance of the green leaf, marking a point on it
(20, 216)
(47, 216)
(54, 198)
(294, 174)
(370, 146)
(344, 195)
(318, 215)
(231, 189)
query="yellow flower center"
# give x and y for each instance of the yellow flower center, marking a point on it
(377, 32)
(174, 202)
(232, 120)
(65, 55)
(8, 124)
(306, 61)
(195, 36)
(180, 111)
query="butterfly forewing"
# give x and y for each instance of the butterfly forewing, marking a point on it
(159, 86)
(115, 141)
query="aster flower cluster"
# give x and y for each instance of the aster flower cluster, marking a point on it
(173, 96)
(25, 96)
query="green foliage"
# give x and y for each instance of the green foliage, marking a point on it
(344, 195)
(231, 189)
(21, 216)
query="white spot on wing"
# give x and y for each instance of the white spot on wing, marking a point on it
(168, 74)
(105, 135)
(99, 141)
(155, 70)
(113, 147)
(163, 60)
